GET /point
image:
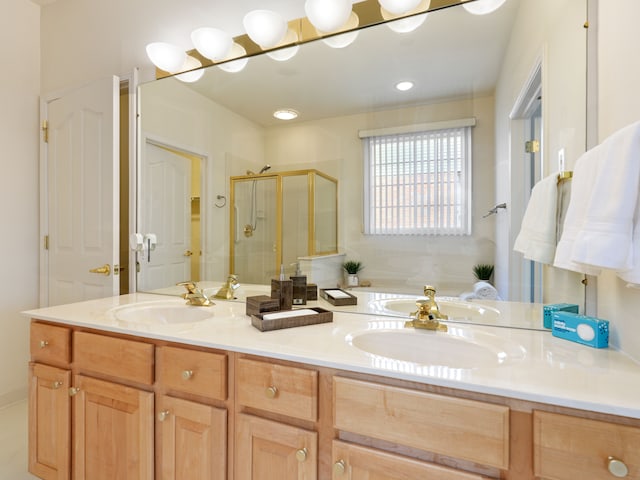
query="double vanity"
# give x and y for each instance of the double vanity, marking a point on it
(142, 386)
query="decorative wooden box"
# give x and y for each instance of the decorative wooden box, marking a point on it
(338, 297)
(290, 318)
(262, 303)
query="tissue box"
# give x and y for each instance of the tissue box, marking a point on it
(338, 297)
(549, 310)
(590, 331)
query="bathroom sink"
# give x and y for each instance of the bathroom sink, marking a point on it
(162, 312)
(459, 347)
(453, 308)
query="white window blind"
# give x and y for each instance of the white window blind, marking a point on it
(418, 183)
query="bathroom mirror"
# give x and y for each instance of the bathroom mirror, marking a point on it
(460, 65)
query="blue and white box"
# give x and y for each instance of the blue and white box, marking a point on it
(590, 331)
(549, 310)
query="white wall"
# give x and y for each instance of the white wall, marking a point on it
(618, 106)
(19, 88)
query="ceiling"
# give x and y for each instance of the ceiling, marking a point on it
(452, 55)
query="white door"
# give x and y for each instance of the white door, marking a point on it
(166, 214)
(81, 188)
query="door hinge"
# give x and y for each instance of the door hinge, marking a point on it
(532, 146)
(45, 131)
(46, 242)
(117, 269)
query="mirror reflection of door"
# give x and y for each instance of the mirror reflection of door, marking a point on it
(170, 211)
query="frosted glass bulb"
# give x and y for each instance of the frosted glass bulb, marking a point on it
(399, 7)
(328, 15)
(212, 43)
(166, 56)
(264, 27)
(191, 76)
(483, 7)
(234, 66)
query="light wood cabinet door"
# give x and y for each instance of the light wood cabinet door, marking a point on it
(353, 462)
(113, 431)
(49, 422)
(192, 440)
(267, 450)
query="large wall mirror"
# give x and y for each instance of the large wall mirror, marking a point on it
(517, 72)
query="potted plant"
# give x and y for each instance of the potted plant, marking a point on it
(483, 272)
(352, 268)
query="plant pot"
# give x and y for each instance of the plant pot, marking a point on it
(352, 280)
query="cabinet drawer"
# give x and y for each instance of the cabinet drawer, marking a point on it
(353, 461)
(279, 389)
(193, 372)
(50, 343)
(566, 447)
(118, 357)
(455, 427)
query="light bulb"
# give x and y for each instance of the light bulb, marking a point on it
(328, 15)
(344, 39)
(401, 24)
(191, 76)
(166, 56)
(212, 43)
(264, 27)
(234, 66)
(399, 7)
(483, 7)
(284, 54)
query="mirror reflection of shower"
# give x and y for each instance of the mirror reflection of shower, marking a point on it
(250, 227)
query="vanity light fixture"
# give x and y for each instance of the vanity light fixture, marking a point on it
(404, 86)
(212, 43)
(166, 56)
(265, 27)
(328, 15)
(287, 53)
(400, 24)
(348, 37)
(235, 66)
(399, 7)
(285, 114)
(483, 7)
(191, 75)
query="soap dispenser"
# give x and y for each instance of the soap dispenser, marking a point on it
(282, 290)
(299, 286)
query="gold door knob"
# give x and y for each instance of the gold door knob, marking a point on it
(271, 392)
(57, 385)
(162, 416)
(339, 467)
(44, 343)
(188, 253)
(187, 374)
(103, 270)
(73, 391)
(617, 467)
(301, 455)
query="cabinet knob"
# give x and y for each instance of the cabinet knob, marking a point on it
(162, 416)
(617, 468)
(73, 391)
(56, 385)
(44, 343)
(187, 374)
(301, 455)
(271, 392)
(339, 467)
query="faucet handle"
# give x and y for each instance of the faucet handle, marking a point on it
(189, 285)
(424, 309)
(429, 290)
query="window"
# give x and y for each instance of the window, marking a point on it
(418, 183)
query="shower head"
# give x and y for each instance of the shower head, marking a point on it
(265, 168)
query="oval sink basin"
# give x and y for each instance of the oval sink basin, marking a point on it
(164, 312)
(458, 348)
(454, 309)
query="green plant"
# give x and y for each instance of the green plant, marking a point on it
(352, 267)
(483, 271)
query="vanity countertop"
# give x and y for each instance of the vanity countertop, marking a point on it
(547, 369)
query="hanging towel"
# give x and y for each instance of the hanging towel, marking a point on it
(601, 226)
(538, 234)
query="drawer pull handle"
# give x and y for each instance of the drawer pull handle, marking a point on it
(162, 416)
(339, 467)
(301, 455)
(73, 391)
(44, 343)
(617, 468)
(187, 374)
(271, 392)
(57, 385)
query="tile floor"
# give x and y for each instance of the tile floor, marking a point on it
(13, 442)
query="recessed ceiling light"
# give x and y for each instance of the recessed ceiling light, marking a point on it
(285, 114)
(404, 86)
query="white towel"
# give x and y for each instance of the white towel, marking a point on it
(538, 234)
(485, 291)
(601, 227)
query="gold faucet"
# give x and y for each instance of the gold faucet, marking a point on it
(195, 296)
(226, 291)
(424, 318)
(430, 293)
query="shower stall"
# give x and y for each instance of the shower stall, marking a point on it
(277, 218)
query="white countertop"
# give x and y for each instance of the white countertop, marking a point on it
(537, 366)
